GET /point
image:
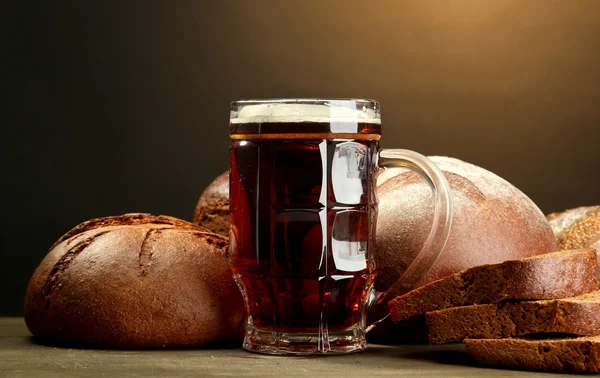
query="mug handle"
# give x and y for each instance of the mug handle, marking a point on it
(442, 220)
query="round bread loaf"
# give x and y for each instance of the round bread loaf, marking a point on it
(135, 281)
(577, 228)
(212, 210)
(493, 221)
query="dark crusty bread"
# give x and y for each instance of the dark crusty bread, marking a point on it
(577, 315)
(550, 276)
(577, 355)
(135, 281)
(577, 228)
(493, 221)
(212, 210)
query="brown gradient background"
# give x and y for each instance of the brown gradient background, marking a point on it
(123, 106)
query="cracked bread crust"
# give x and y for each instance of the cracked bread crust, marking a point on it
(578, 316)
(550, 276)
(124, 220)
(135, 281)
(576, 355)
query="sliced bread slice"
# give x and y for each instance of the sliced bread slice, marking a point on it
(577, 315)
(549, 276)
(577, 355)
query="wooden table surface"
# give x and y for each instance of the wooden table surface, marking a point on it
(20, 356)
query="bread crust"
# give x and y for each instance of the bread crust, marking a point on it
(579, 355)
(550, 276)
(576, 228)
(135, 281)
(579, 315)
(493, 221)
(212, 209)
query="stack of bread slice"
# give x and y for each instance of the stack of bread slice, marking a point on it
(537, 313)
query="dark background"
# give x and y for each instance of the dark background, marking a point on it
(123, 106)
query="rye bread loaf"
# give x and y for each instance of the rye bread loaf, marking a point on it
(212, 210)
(493, 222)
(550, 276)
(577, 228)
(571, 355)
(577, 315)
(135, 281)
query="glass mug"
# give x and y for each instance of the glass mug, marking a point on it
(303, 211)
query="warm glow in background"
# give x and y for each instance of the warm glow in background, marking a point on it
(123, 106)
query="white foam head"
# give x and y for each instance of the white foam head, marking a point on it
(305, 110)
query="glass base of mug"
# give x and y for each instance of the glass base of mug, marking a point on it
(350, 340)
